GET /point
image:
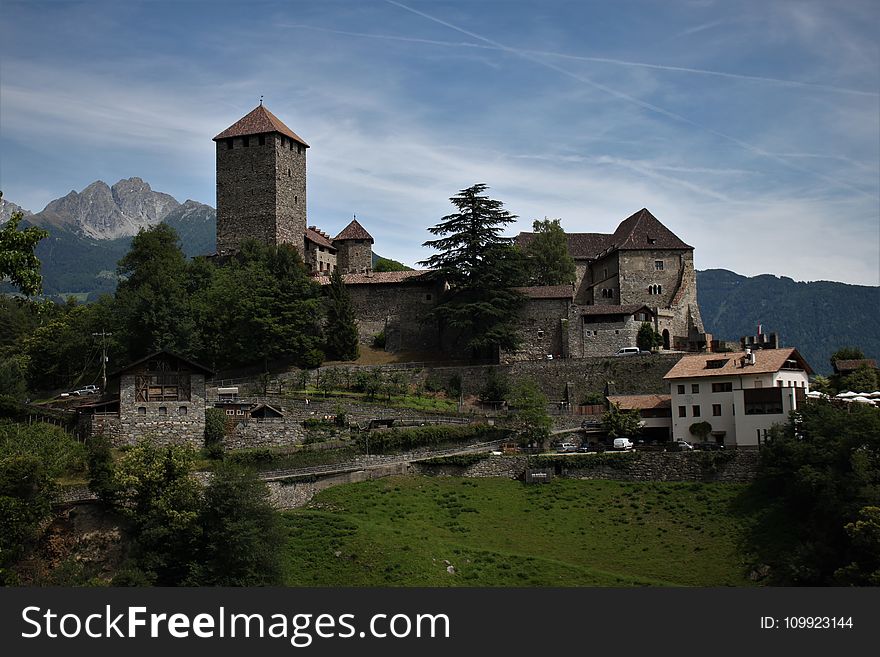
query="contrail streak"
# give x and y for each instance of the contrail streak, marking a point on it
(636, 101)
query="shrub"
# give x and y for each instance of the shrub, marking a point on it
(215, 431)
(379, 340)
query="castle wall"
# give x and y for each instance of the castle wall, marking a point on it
(261, 192)
(605, 276)
(603, 336)
(542, 330)
(400, 311)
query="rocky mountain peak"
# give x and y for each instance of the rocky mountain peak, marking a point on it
(102, 212)
(7, 208)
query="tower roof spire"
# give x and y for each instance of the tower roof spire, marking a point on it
(258, 121)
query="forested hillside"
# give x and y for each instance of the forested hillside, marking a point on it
(817, 317)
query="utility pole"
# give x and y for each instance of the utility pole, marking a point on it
(103, 335)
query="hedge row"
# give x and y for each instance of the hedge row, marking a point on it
(462, 460)
(585, 461)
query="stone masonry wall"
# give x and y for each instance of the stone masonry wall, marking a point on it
(261, 192)
(542, 329)
(174, 425)
(731, 467)
(398, 310)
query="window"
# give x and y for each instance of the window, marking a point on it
(428, 297)
(183, 410)
(262, 140)
(142, 410)
(696, 409)
(716, 410)
(695, 388)
(682, 411)
(230, 411)
(163, 410)
(229, 144)
(239, 412)
(681, 389)
(658, 265)
(722, 387)
(779, 383)
(246, 141)
(540, 334)
(763, 401)
(717, 363)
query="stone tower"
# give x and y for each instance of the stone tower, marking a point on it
(354, 250)
(261, 183)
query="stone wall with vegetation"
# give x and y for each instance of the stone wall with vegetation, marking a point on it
(731, 466)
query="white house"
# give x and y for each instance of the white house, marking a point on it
(741, 394)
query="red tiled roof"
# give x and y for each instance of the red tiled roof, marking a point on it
(354, 231)
(852, 365)
(316, 237)
(260, 120)
(580, 245)
(629, 309)
(767, 361)
(379, 277)
(644, 231)
(639, 402)
(547, 291)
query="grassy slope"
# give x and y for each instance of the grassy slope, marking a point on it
(496, 532)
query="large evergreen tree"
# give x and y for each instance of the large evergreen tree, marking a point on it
(152, 298)
(547, 255)
(341, 329)
(481, 267)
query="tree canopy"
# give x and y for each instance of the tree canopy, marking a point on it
(482, 267)
(549, 262)
(818, 480)
(341, 329)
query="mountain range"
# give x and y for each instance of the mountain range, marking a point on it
(91, 230)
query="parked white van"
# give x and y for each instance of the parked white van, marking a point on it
(628, 351)
(623, 443)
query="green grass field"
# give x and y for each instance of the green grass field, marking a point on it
(495, 532)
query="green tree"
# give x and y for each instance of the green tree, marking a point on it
(496, 388)
(816, 474)
(530, 418)
(647, 337)
(341, 329)
(480, 307)
(215, 431)
(152, 298)
(26, 495)
(155, 491)
(259, 306)
(242, 536)
(864, 379)
(846, 353)
(700, 429)
(386, 264)
(547, 254)
(864, 538)
(619, 423)
(18, 262)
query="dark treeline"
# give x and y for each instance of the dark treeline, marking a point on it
(255, 307)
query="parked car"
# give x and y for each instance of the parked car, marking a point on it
(566, 448)
(623, 443)
(87, 390)
(628, 351)
(679, 446)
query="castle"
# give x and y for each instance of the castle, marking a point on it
(642, 272)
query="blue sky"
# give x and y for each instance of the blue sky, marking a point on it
(751, 129)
